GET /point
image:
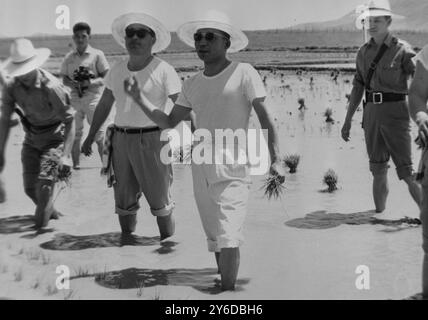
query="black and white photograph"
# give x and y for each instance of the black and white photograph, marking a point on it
(214, 150)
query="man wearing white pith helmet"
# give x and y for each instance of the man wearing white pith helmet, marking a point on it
(222, 97)
(136, 140)
(386, 120)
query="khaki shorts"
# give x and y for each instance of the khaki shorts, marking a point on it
(221, 194)
(40, 156)
(387, 134)
(139, 170)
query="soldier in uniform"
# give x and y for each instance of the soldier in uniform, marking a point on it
(386, 120)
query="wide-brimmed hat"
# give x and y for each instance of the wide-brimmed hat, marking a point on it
(163, 36)
(24, 58)
(213, 20)
(374, 8)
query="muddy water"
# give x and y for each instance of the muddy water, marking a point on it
(306, 245)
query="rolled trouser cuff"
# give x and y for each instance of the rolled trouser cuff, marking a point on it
(163, 212)
(379, 167)
(229, 242)
(127, 212)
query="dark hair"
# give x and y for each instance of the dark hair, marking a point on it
(82, 26)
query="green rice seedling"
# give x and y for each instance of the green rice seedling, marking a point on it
(46, 259)
(33, 254)
(18, 275)
(328, 113)
(157, 295)
(35, 284)
(101, 276)
(51, 290)
(292, 161)
(140, 290)
(81, 272)
(273, 186)
(301, 102)
(330, 179)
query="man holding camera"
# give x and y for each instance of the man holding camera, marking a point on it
(83, 70)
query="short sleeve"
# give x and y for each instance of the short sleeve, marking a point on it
(102, 64)
(182, 99)
(171, 80)
(253, 85)
(60, 98)
(358, 77)
(408, 62)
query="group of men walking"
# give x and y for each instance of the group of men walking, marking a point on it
(140, 86)
(221, 96)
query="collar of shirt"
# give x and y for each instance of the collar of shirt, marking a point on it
(387, 41)
(88, 50)
(41, 79)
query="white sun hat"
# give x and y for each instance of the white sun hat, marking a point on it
(24, 58)
(374, 8)
(163, 36)
(213, 20)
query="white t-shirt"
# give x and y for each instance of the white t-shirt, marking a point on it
(223, 101)
(422, 56)
(157, 80)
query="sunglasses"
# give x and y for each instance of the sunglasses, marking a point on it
(209, 36)
(141, 33)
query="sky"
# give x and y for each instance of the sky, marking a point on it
(28, 17)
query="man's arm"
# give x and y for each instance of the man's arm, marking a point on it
(164, 121)
(99, 81)
(267, 124)
(69, 133)
(354, 101)
(418, 97)
(101, 113)
(5, 118)
(357, 94)
(4, 134)
(190, 117)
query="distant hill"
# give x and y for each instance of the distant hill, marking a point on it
(415, 14)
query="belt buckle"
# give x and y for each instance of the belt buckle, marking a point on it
(377, 95)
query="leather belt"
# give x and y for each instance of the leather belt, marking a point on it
(381, 97)
(136, 130)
